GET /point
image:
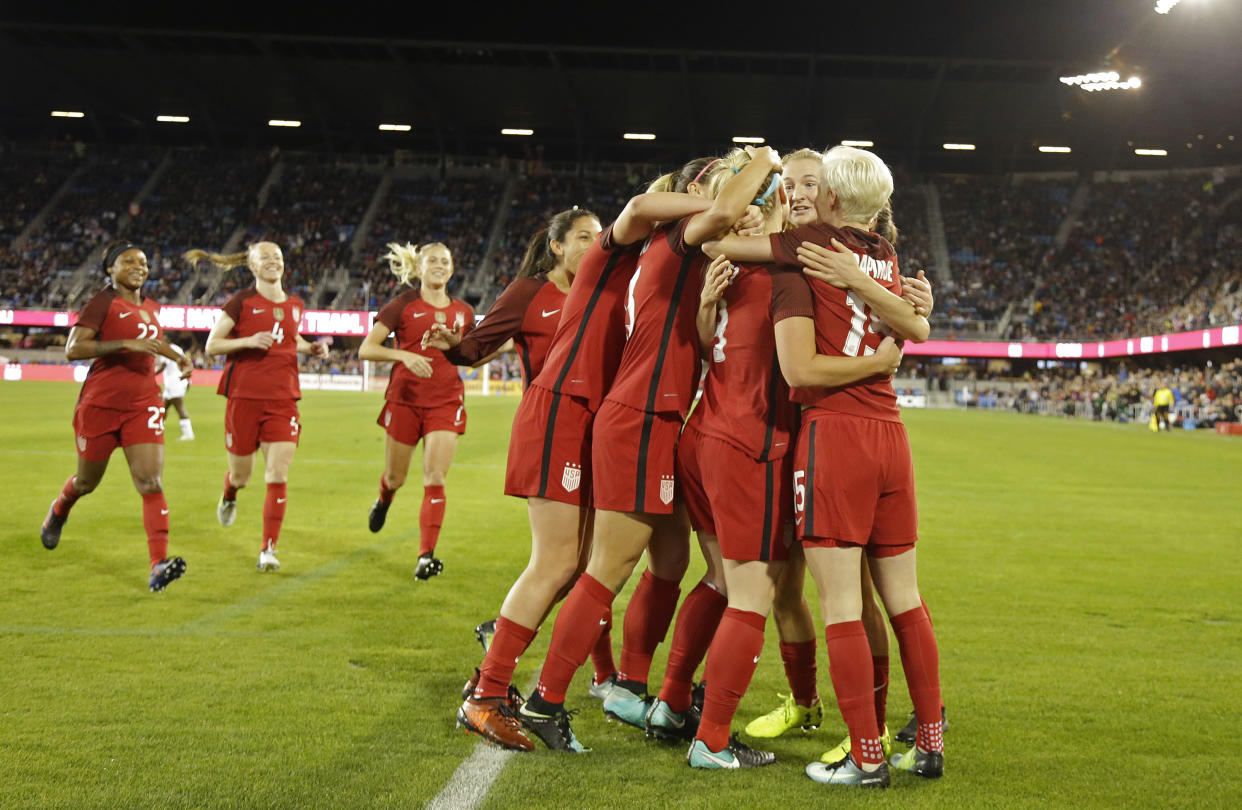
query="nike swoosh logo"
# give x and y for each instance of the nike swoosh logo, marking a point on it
(257, 311)
(756, 659)
(163, 511)
(547, 314)
(418, 314)
(437, 500)
(798, 522)
(124, 314)
(281, 500)
(603, 622)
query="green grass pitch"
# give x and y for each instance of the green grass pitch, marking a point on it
(1084, 580)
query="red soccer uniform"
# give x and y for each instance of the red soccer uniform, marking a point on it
(122, 380)
(527, 311)
(588, 342)
(409, 316)
(258, 374)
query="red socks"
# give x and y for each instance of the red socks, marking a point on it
(585, 612)
(601, 653)
(921, 661)
(385, 493)
(696, 624)
(879, 686)
(230, 491)
(273, 513)
(801, 671)
(155, 521)
(647, 618)
(731, 663)
(496, 673)
(848, 656)
(66, 499)
(430, 519)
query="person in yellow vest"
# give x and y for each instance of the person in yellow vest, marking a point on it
(1163, 400)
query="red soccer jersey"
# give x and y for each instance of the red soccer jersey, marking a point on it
(659, 371)
(409, 316)
(527, 311)
(745, 398)
(258, 374)
(586, 348)
(123, 379)
(843, 324)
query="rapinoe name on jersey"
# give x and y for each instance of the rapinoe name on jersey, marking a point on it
(881, 271)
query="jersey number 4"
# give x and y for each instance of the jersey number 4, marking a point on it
(278, 332)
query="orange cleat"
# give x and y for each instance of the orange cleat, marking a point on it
(493, 720)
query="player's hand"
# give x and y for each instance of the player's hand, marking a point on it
(765, 154)
(918, 292)
(319, 349)
(418, 365)
(838, 267)
(720, 274)
(888, 355)
(143, 345)
(186, 366)
(749, 223)
(261, 341)
(439, 336)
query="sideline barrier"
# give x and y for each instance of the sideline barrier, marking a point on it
(1229, 428)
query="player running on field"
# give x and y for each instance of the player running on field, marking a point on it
(176, 384)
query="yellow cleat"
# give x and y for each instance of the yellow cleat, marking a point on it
(789, 715)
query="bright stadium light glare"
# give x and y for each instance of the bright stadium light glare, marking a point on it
(1059, 150)
(858, 144)
(173, 119)
(1103, 80)
(959, 147)
(395, 127)
(68, 114)
(1165, 6)
(281, 122)
(748, 139)
(1152, 152)
(513, 131)
(639, 136)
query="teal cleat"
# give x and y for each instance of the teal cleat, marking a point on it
(736, 754)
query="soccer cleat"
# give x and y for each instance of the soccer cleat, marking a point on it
(484, 632)
(49, 533)
(843, 748)
(627, 707)
(427, 567)
(927, 764)
(553, 729)
(165, 571)
(226, 511)
(493, 720)
(515, 696)
(910, 730)
(697, 695)
(788, 715)
(267, 560)
(379, 513)
(600, 690)
(736, 754)
(847, 772)
(665, 724)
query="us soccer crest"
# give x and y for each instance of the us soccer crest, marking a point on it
(146, 316)
(387, 418)
(297, 314)
(82, 443)
(441, 317)
(228, 439)
(278, 313)
(666, 489)
(460, 321)
(572, 477)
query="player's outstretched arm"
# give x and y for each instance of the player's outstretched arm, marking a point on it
(733, 199)
(741, 249)
(641, 214)
(839, 267)
(803, 367)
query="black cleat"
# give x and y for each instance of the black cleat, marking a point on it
(910, 730)
(379, 513)
(166, 571)
(428, 566)
(485, 632)
(927, 764)
(553, 729)
(49, 533)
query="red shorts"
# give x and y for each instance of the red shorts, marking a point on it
(854, 483)
(249, 422)
(752, 501)
(407, 423)
(690, 476)
(99, 431)
(632, 459)
(550, 448)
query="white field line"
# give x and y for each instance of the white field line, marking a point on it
(220, 458)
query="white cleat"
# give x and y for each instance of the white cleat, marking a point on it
(226, 512)
(268, 561)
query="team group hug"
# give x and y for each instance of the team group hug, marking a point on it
(718, 360)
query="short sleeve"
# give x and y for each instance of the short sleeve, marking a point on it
(390, 315)
(92, 315)
(233, 306)
(791, 295)
(785, 244)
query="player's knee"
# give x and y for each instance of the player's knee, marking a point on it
(147, 484)
(84, 485)
(433, 478)
(394, 480)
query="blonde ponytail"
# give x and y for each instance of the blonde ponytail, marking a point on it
(224, 261)
(403, 261)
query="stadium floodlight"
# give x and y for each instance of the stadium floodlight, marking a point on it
(280, 122)
(68, 114)
(1104, 80)
(639, 136)
(959, 147)
(1152, 152)
(1165, 6)
(747, 139)
(513, 131)
(173, 119)
(859, 144)
(1058, 150)
(395, 127)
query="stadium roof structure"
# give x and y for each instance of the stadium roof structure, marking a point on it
(986, 84)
